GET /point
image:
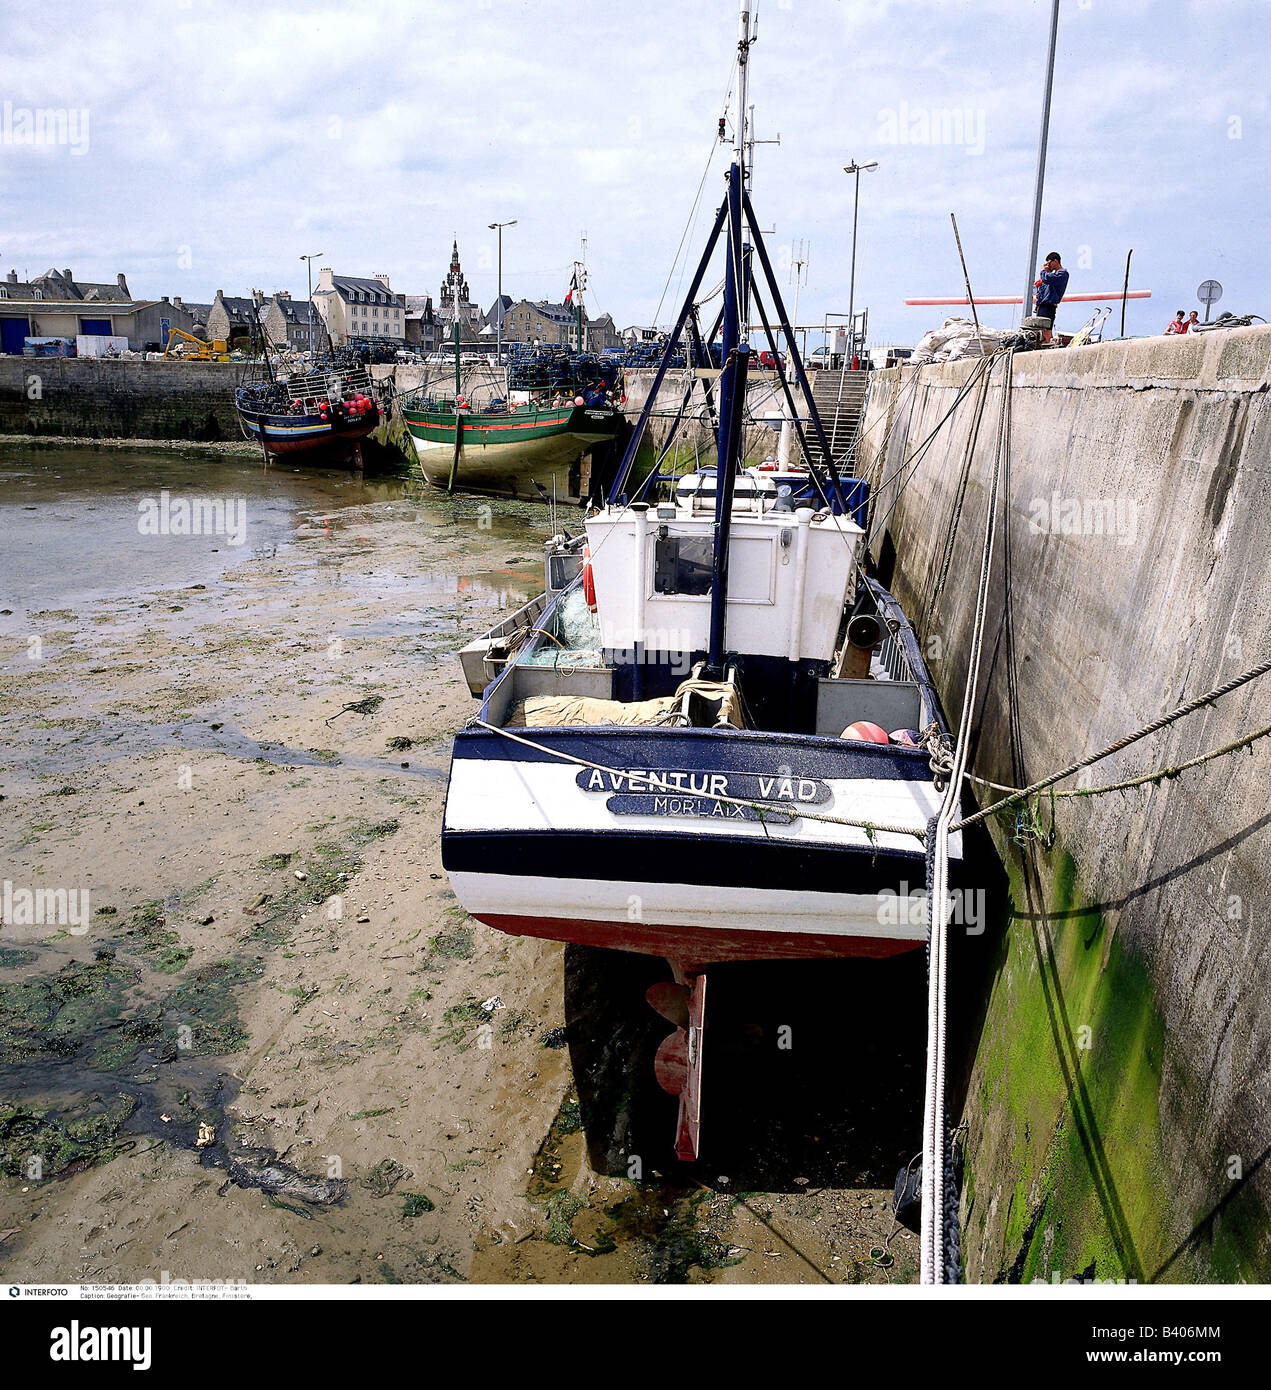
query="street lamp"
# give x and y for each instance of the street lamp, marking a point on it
(309, 260)
(855, 168)
(498, 227)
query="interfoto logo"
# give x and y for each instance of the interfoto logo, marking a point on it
(45, 125)
(38, 907)
(76, 1343)
(166, 515)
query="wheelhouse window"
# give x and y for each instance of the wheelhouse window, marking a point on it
(682, 565)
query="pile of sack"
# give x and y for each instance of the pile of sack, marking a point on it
(956, 338)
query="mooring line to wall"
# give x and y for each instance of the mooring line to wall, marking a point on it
(939, 1255)
(1190, 707)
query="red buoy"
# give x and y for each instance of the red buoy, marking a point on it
(865, 732)
(589, 580)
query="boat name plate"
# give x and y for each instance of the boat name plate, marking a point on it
(780, 787)
(654, 804)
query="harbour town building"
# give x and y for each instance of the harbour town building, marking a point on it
(56, 305)
(353, 306)
(547, 323)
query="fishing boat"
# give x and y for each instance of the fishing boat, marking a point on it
(324, 407)
(552, 409)
(713, 738)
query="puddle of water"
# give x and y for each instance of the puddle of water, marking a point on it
(85, 507)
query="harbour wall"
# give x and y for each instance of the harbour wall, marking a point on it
(100, 398)
(1117, 1099)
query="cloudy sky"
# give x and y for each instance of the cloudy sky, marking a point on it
(226, 139)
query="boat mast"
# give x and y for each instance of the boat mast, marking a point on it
(736, 353)
(744, 40)
(457, 390)
(580, 279)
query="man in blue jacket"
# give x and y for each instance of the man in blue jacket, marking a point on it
(1052, 284)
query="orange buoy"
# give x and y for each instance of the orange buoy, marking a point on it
(589, 579)
(865, 732)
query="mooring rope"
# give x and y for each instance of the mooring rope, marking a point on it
(1160, 775)
(1190, 707)
(936, 1256)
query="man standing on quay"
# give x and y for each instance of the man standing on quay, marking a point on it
(1052, 284)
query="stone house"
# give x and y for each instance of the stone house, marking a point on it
(294, 323)
(422, 327)
(236, 316)
(354, 306)
(547, 323)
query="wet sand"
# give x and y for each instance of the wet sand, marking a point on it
(272, 951)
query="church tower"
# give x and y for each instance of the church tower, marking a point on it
(446, 297)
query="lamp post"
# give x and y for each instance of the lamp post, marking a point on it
(498, 227)
(855, 169)
(1034, 238)
(309, 260)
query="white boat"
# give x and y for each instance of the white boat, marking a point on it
(714, 738)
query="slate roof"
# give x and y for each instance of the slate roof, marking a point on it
(356, 288)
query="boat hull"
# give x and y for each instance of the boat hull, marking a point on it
(537, 845)
(508, 453)
(298, 434)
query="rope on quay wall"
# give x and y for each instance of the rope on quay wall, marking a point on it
(920, 450)
(1160, 775)
(1190, 707)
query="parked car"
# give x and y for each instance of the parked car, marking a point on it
(766, 359)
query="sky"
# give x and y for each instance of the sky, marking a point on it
(209, 144)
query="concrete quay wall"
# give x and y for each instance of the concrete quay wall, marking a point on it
(1119, 1098)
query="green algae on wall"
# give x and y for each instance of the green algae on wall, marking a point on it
(1065, 1126)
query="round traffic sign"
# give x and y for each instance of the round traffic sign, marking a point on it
(1209, 292)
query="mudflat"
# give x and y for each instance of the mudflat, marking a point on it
(255, 1038)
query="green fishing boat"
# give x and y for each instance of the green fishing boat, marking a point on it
(539, 427)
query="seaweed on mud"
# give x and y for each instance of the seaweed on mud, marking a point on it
(452, 942)
(460, 1020)
(671, 1226)
(364, 832)
(384, 1177)
(172, 959)
(560, 1209)
(415, 1204)
(34, 1144)
(146, 930)
(54, 1017)
(204, 1001)
(513, 1023)
(13, 957)
(27, 1007)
